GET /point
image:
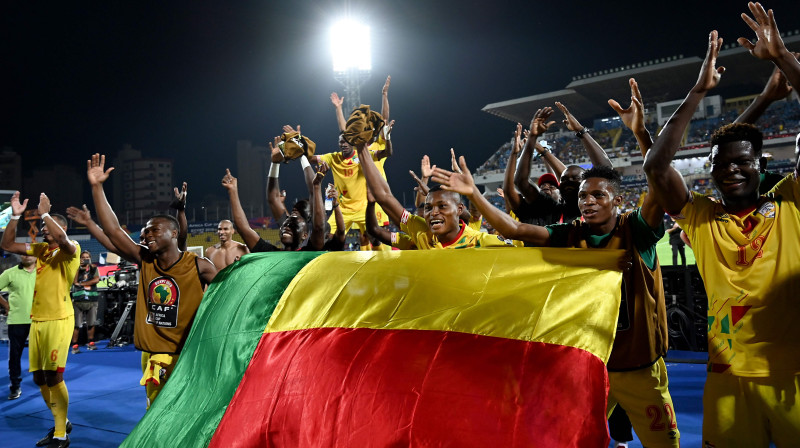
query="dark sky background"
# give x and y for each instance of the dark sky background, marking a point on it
(186, 79)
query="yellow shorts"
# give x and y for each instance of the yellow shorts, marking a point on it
(152, 388)
(48, 345)
(644, 394)
(748, 411)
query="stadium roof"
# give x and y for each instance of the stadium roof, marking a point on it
(669, 80)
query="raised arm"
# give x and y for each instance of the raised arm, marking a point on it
(179, 204)
(333, 194)
(8, 243)
(55, 230)
(373, 229)
(597, 155)
(337, 104)
(378, 185)
(97, 174)
(385, 99)
(777, 88)
(665, 184)
(422, 183)
(387, 135)
(274, 198)
(512, 198)
(317, 237)
(249, 235)
(539, 125)
(769, 44)
(463, 183)
(84, 218)
(633, 117)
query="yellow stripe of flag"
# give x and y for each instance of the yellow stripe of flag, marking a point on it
(559, 296)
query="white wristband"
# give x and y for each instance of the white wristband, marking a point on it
(274, 169)
(304, 162)
(45, 215)
(386, 134)
(15, 217)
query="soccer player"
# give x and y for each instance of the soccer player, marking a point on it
(52, 316)
(637, 374)
(440, 227)
(227, 250)
(294, 229)
(84, 300)
(171, 283)
(19, 282)
(748, 253)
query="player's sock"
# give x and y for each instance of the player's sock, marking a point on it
(59, 399)
(45, 394)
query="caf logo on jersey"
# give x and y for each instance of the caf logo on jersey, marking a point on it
(163, 291)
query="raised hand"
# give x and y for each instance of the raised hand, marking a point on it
(539, 123)
(385, 88)
(570, 121)
(777, 87)
(287, 128)
(425, 170)
(633, 115)
(453, 163)
(517, 147)
(331, 192)
(710, 74)
(769, 44)
(95, 169)
(44, 204)
(81, 216)
(422, 186)
(322, 170)
(275, 150)
(18, 208)
(337, 102)
(229, 182)
(501, 193)
(460, 182)
(179, 203)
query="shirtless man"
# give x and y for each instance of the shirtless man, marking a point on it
(227, 250)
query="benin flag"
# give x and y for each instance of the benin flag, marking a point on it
(478, 347)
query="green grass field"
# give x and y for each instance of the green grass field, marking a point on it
(665, 253)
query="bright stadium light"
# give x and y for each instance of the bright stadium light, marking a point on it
(351, 50)
(350, 46)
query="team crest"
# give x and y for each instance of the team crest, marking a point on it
(767, 210)
(163, 291)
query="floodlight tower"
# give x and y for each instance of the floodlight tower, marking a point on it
(352, 60)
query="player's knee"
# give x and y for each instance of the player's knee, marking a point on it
(38, 378)
(53, 377)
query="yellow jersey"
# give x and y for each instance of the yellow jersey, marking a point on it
(352, 187)
(402, 241)
(475, 224)
(750, 267)
(417, 230)
(55, 272)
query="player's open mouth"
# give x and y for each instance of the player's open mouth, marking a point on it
(436, 223)
(733, 182)
(587, 212)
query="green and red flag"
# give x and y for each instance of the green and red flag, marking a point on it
(477, 347)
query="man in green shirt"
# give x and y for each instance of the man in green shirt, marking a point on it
(19, 282)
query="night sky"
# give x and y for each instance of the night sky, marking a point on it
(185, 80)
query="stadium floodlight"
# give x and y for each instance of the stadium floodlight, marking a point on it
(351, 49)
(350, 46)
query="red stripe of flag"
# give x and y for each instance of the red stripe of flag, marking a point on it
(363, 387)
